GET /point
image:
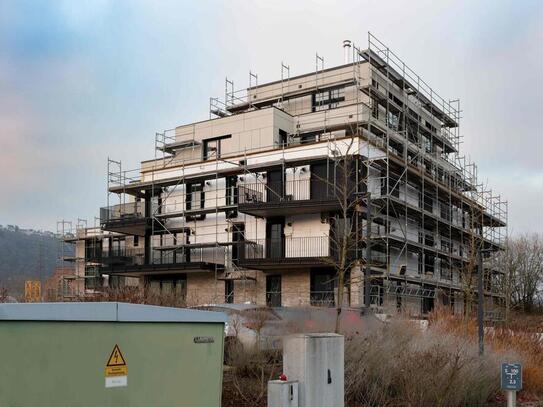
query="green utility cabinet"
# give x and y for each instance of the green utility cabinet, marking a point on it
(109, 354)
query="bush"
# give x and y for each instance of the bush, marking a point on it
(246, 378)
(402, 365)
(519, 340)
(136, 295)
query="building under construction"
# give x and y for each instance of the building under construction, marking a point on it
(79, 261)
(342, 184)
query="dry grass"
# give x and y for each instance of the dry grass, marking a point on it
(4, 294)
(246, 378)
(516, 341)
(400, 365)
(136, 295)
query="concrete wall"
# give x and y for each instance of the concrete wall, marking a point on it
(249, 131)
(308, 82)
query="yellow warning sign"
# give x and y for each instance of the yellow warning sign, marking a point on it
(32, 291)
(116, 364)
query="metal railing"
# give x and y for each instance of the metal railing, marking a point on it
(182, 255)
(285, 248)
(136, 256)
(120, 212)
(291, 190)
(123, 255)
(322, 298)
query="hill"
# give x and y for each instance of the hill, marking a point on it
(25, 254)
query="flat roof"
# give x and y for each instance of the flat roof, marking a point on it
(105, 312)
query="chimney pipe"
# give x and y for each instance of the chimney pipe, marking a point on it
(347, 51)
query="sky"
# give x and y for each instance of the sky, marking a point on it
(87, 80)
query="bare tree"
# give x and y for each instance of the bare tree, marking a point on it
(342, 186)
(468, 272)
(522, 263)
(4, 294)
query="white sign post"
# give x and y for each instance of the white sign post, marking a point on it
(511, 381)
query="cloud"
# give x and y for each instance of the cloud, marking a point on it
(82, 81)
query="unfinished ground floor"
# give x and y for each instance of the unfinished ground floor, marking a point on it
(308, 287)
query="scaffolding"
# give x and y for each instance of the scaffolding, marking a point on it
(427, 218)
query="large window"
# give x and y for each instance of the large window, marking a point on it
(322, 284)
(328, 99)
(212, 147)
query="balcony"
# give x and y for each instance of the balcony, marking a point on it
(131, 262)
(288, 252)
(292, 197)
(121, 257)
(126, 218)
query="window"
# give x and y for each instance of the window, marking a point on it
(283, 138)
(427, 144)
(446, 273)
(93, 249)
(427, 304)
(393, 121)
(308, 137)
(428, 203)
(93, 279)
(136, 241)
(212, 147)
(328, 99)
(232, 190)
(273, 291)
(429, 262)
(229, 291)
(375, 110)
(195, 196)
(376, 293)
(322, 284)
(117, 247)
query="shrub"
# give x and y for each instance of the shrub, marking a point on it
(519, 340)
(246, 378)
(401, 365)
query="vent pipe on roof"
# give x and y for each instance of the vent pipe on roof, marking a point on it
(347, 51)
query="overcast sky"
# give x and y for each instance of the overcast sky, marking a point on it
(84, 80)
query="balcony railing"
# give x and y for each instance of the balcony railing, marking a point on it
(292, 190)
(122, 255)
(118, 213)
(286, 248)
(126, 257)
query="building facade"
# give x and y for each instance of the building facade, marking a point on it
(348, 179)
(84, 251)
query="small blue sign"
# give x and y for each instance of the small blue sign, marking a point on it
(512, 376)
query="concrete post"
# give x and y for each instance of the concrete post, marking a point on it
(316, 361)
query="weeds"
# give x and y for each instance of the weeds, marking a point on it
(399, 365)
